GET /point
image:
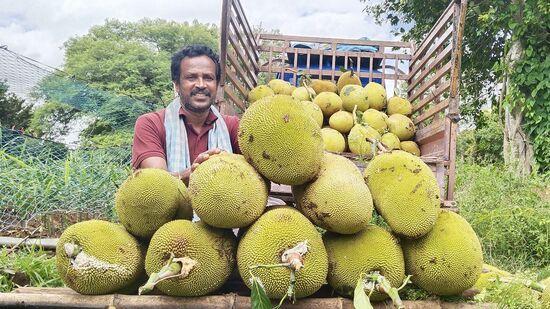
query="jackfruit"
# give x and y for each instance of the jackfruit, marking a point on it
(280, 86)
(402, 126)
(405, 192)
(398, 105)
(390, 140)
(323, 85)
(341, 121)
(371, 249)
(410, 147)
(314, 111)
(447, 260)
(375, 119)
(545, 298)
(277, 230)
(303, 94)
(338, 200)
(333, 140)
(359, 140)
(376, 95)
(212, 251)
(259, 92)
(98, 257)
(185, 211)
(329, 102)
(348, 78)
(489, 273)
(281, 141)
(354, 95)
(227, 192)
(146, 200)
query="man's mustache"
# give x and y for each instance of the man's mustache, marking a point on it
(198, 91)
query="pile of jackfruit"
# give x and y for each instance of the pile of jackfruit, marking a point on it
(351, 116)
(326, 236)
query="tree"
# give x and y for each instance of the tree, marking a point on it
(14, 113)
(489, 63)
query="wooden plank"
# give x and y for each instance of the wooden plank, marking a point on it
(425, 134)
(234, 98)
(246, 27)
(311, 39)
(430, 97)
(241, 56)
(239, 70)
(444, 55)
(64, 298)
(338, 73)
(458, 27)
(224, 39)
(265, 48)
(452, 159)
(235, 82)
(248, 48)
(436, 29)
(438, 75)
(432, 111)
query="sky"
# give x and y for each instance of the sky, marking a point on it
(38, 28)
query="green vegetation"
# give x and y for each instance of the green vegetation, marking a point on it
(32, 266)
(13, 110)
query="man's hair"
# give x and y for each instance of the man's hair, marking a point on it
(193, 51)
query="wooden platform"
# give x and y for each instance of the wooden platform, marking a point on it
(67, 298)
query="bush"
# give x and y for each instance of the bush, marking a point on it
(509, 214)
(483, 144)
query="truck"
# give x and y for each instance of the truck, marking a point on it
(429, 74)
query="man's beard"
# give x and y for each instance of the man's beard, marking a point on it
(186, 100)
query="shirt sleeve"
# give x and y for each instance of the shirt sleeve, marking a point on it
(232, 123)
(147, 141)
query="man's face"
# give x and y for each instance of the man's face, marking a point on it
(197, 86)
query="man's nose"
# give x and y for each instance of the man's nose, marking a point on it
(200, 83)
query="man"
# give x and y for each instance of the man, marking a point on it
(183, 135)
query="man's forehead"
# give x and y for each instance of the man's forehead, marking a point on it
(198, 62)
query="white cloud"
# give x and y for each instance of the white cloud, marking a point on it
(37, 29)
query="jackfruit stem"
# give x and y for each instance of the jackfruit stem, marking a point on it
(384, 286)
(175, 267)
(72, 250)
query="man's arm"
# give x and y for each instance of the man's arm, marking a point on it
(158, 162)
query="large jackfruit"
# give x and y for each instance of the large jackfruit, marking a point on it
(359, 140)
(354, 95)
(227, 192)
(545, 298)
(341, 121)
(185, 211)
(398, 105)
(212, 250)
(146, 200)
(329, 102)
(303, 93)
(372, 249)
(333, 140)
(402, 126)
(314, 111)
(277, 230)
(376, 120)
(348, 78)
(338, 200)
(410, 147)
(405, 192)
(259, 92)
(98, 257)
(323, 85)
(447, 260)
(281, 140)
(280, 86)
(376, 95)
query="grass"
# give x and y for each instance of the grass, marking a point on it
(27, 266)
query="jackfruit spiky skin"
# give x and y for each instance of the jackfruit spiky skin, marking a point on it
(447, 260)
(303, 94)
(227, 192)
(213, 249)
(410, 147)
(185, 211)
(354, 95)
(375, 119)
(314, 111)
(347, 79)
(545, 298)
(402, 126)
(323, 85)
(277, 230)
(259, 92)
(146, 200)
(358, 140)
(398, 105)
(405, 192)
(281, 141)
(329, 102)
(371, 249)
(488, 274)
(376, 95)
(333, 140)
(338, 200)
(109, 259)
(391, 141)
(341, 121)
(280, 86)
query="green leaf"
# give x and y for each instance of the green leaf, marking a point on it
(360, 298)
(258, 297)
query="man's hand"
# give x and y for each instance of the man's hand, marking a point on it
(186, 173)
